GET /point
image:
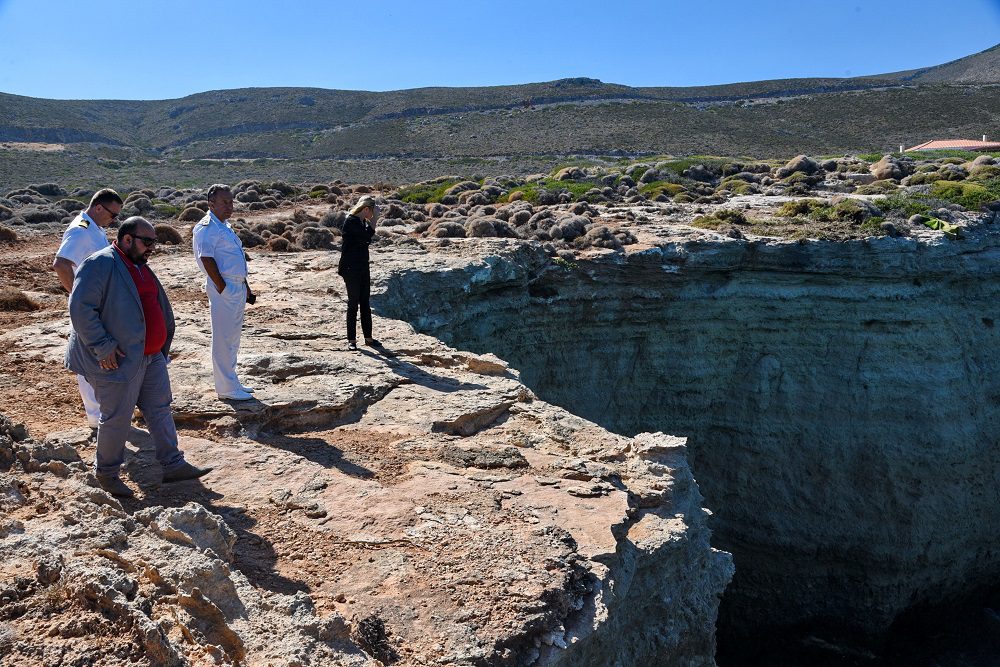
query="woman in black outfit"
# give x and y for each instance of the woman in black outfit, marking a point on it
(359, 228)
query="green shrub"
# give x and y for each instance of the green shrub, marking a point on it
(851, 210)
(922, 178)
(799, 207)
(657, 188)
(799, 177)
(166, 211)
(637, 173)
(885, 187)
(848, 210)
(721, 217)
(425, 193)
(984, 172)
(679, 165)
(970, 195)
(738, 186)
(873, 226)
(906, 205)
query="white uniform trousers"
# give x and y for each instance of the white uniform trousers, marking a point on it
(227, 324)
(90, 404)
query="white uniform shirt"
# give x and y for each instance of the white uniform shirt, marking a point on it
(81, 239)
(216, 239)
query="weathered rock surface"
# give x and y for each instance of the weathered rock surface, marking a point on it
(415, 505)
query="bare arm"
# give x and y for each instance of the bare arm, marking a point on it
(64, 270)
(212, 269)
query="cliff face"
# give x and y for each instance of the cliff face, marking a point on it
(841, 400)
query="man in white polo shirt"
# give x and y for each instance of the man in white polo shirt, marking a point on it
(85, 236)
(219, 253)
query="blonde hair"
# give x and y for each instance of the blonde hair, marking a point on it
(366, 201)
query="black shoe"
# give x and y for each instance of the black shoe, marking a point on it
(115, 486)
(351, 345)
(371, 342)
(184, 472)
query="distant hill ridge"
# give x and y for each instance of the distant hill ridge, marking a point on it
(317, 123)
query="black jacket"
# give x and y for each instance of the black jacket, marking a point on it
(358, 235)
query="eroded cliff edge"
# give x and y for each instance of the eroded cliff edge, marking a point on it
(416, 506)
(841, 400)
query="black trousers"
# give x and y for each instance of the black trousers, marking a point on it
(359, 287)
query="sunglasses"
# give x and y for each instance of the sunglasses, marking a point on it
(113, 215)
(148, 241)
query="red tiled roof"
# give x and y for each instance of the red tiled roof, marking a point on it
(957, 145)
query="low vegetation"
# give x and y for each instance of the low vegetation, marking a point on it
(12, 299)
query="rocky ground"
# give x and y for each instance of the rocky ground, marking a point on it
(411, 504)
(414, 504)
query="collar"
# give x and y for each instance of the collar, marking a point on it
(212, 218)
(83, 214)
(121, 253)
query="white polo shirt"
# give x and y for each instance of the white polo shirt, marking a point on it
(216, 239)
(81, 239)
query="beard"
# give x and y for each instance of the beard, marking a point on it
(137, 256)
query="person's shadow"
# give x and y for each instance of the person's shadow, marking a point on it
(417, 374)
(253, 554)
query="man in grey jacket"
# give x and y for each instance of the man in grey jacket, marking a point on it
(122, 329)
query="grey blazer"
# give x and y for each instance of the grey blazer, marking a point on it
(106, 312)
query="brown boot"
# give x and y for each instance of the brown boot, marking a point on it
(115, 486)
(184, 472)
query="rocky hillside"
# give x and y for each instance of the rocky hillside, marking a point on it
(571, 116)
(981, 68)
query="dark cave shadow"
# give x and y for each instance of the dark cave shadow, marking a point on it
(416, 374)
(253, 554)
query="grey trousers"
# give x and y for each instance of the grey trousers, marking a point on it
(150, 391)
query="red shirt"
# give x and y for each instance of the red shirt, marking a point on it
(149, 293)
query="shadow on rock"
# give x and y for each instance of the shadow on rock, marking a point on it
(316, 450)
(419, 375)
(254, 554)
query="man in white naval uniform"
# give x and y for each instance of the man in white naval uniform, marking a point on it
(85, 236)
(219, 253)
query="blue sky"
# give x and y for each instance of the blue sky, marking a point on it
(138, 49)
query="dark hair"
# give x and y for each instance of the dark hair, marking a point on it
(129, 226)
(104, 197)
(216, 189)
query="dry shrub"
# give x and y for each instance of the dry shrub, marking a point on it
(333, 219)
(249, 238)
(7, 234)
(316, 238)
(165, 234)
(447, 229)
(281, 244)
(14, 299)
(38, 215)
(191, 214)
(273, 226)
